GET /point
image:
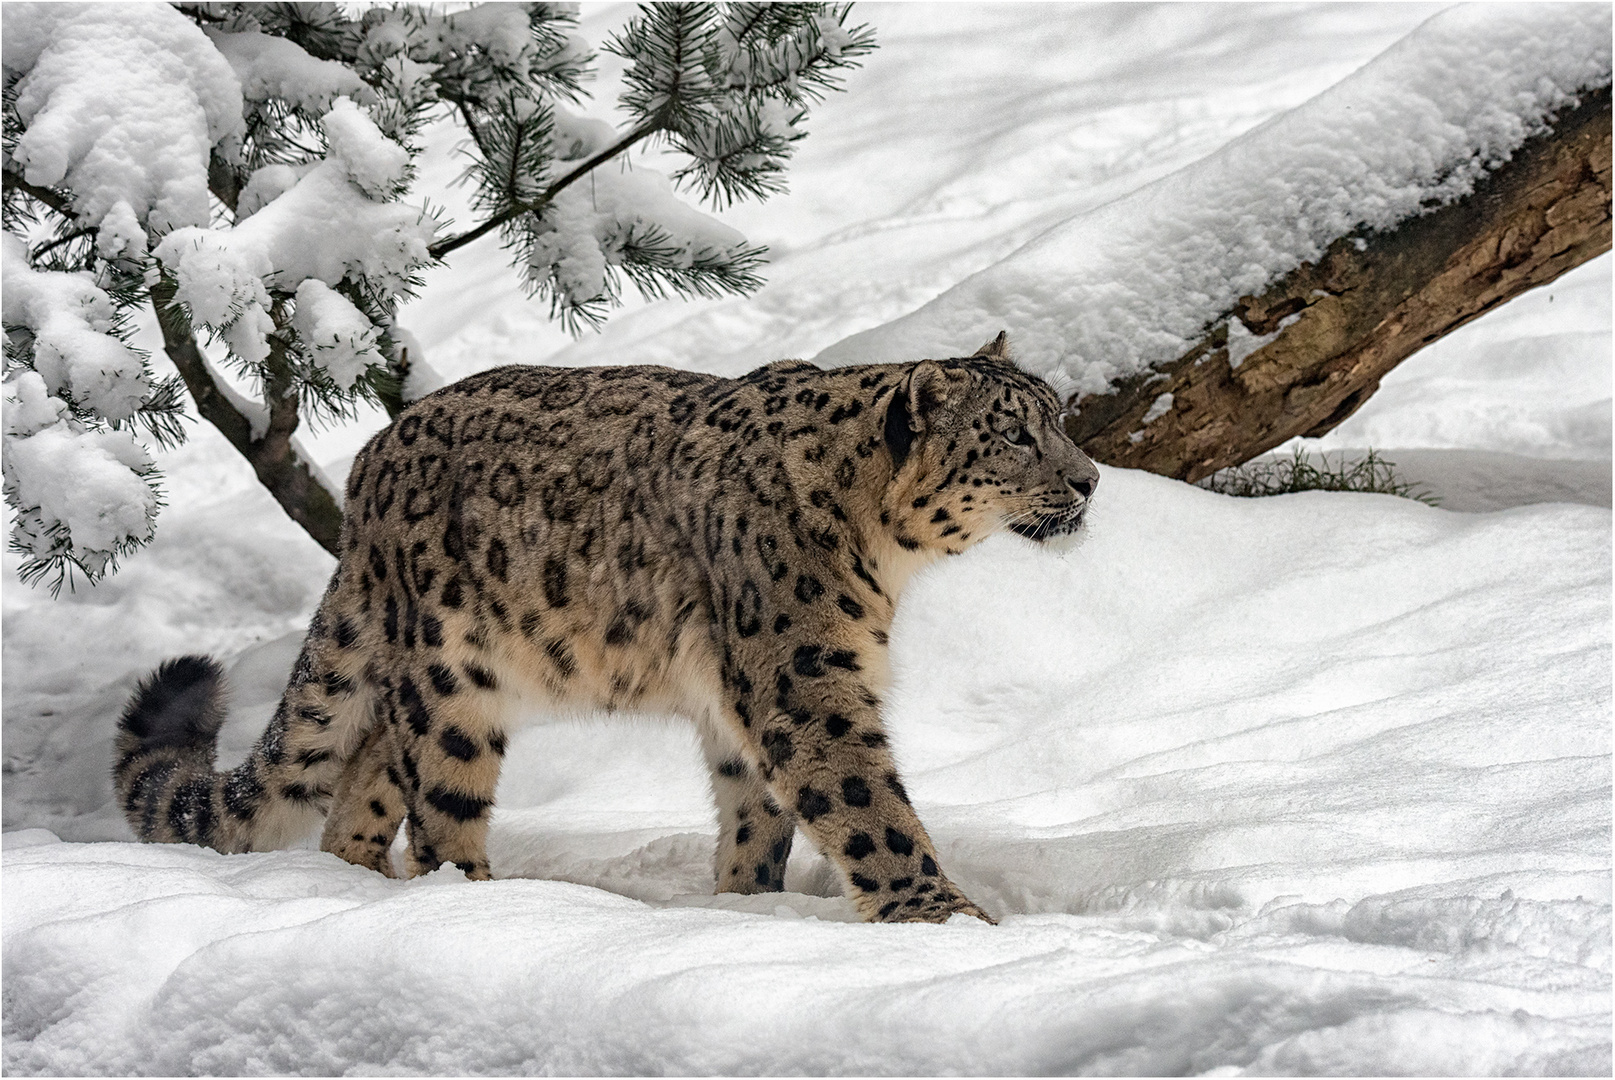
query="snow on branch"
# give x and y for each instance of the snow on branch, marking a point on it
(326, 227)
(83, 493)
(120, 104)
(631, 221)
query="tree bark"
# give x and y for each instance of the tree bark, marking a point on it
(272, 457)
(1373, 300)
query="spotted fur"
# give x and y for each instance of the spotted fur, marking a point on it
(731, 550)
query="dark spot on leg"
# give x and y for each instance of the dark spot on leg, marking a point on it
(555, 582)
(457, 744)
(811, 804)
(779, 748)
(854, 791)
(443, 680)
(456, 805)
(899, 843)
(858, 845)
(420, 720)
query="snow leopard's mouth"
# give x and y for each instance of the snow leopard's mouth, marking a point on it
(1061, 522)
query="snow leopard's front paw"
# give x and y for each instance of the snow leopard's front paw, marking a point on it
(937, 907)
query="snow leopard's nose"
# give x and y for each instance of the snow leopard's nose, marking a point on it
(1084, 486)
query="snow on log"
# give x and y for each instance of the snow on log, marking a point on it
(1121, 302)
(1317, 342)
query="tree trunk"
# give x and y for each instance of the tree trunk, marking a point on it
(279, 469)
(1338, 326)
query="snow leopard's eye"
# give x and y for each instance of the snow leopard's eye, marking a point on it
(1016, 435)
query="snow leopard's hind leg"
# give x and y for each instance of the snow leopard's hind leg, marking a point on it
(754, 831)
(166, 745)
(438, 748)
(368, 805)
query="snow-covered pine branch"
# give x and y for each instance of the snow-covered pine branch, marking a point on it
(245, 167)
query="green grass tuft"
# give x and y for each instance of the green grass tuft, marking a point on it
(1284, 475)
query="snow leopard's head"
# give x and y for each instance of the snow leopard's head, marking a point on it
(978, 446)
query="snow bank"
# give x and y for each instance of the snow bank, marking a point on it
(122, 102)
(1311, 784)
(1135, 282)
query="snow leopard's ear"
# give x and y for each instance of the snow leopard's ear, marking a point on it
(997, 348)
(925, 389)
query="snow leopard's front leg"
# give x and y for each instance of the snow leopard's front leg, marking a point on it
(754, 830)
(816, 731)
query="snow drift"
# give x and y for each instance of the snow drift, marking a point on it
(1317, 783)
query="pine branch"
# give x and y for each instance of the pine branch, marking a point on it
(454, 243)
(76, 234)
(50, 198)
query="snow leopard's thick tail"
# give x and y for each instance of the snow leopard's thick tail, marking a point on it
(164, 774)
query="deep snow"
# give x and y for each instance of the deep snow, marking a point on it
(1311, 784)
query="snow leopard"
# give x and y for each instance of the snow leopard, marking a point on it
(729, 550)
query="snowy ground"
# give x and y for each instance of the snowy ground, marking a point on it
(1310, 784)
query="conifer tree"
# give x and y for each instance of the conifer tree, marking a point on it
(244, 168)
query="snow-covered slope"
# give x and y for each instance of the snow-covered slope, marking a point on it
(1311, 784)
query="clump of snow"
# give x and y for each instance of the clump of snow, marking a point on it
(575, 138)
(588, 223)
(71, 318)
(122, 102)
(274, 67)
(499, 30)
(1158, 408)
(29, 406)
(374, 163)
(266, 184)
(1134, 283)
(86, 482)
(323, 226)
(339, 337)
(120, 233)
(1242, 343)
